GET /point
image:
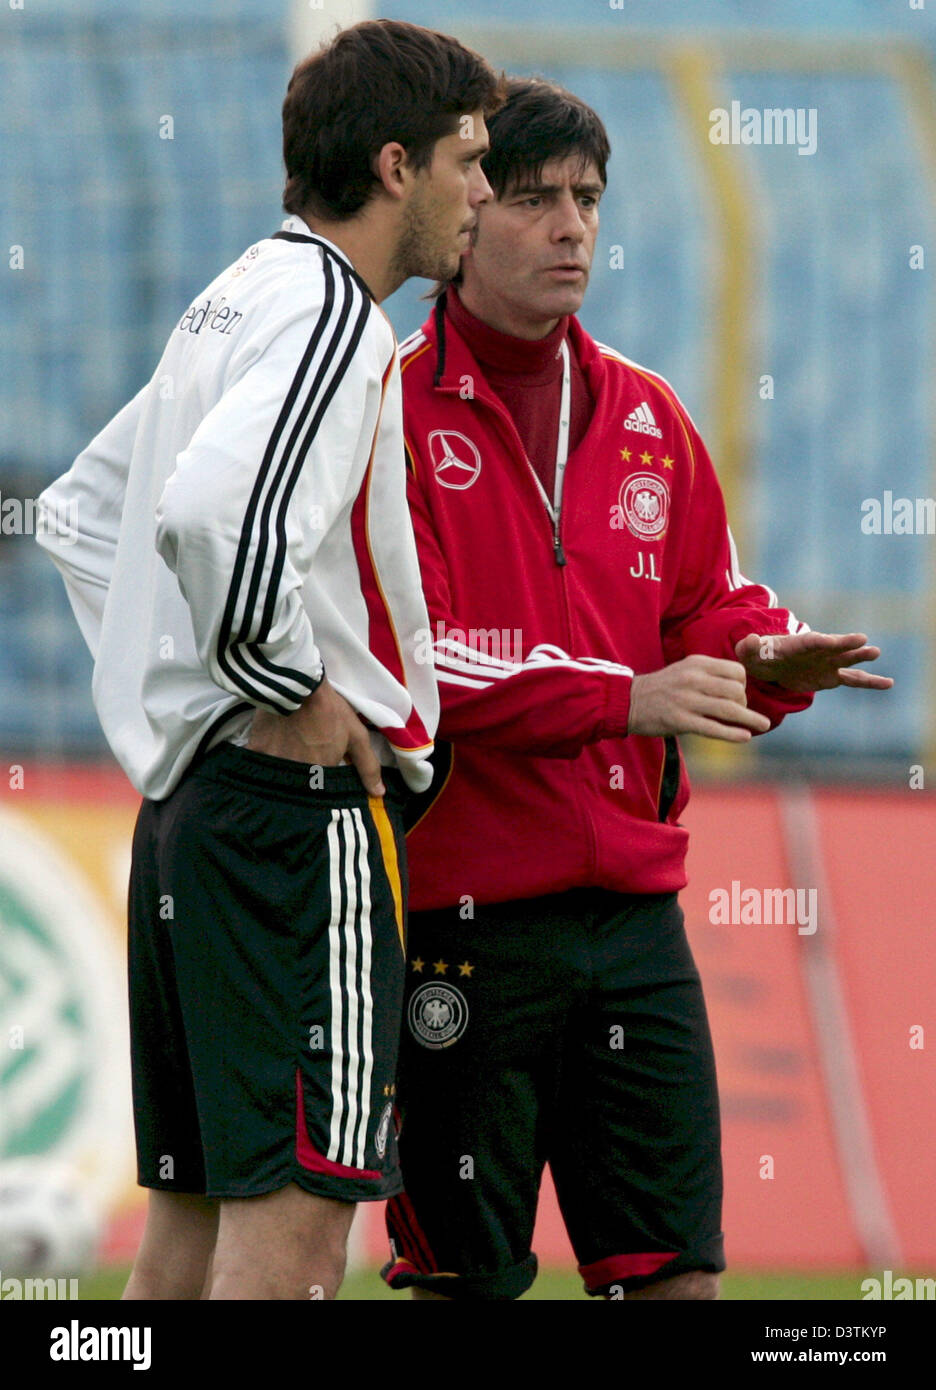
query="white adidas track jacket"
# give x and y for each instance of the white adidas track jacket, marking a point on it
(244, 520)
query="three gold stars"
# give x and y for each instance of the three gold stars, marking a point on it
(440, 967)
(646, 458)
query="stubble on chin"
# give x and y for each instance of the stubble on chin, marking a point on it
(418, 250)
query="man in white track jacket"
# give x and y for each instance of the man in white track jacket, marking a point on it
(245, 575)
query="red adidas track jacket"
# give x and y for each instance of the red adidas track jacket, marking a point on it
(537, 630)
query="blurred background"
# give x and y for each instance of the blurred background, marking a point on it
(788, 298)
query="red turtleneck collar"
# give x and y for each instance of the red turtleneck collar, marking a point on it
(526, 376)
(536, 359)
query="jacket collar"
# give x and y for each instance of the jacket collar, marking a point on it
(454, 359)
(295, 229)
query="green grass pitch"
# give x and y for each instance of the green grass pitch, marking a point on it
(561, 1286)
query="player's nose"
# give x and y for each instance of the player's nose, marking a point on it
(481, 192)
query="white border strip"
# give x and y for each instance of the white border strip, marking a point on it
(838, 1058)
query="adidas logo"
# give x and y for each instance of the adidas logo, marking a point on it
(642, 421)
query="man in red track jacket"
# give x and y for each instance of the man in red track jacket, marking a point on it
(586, 606)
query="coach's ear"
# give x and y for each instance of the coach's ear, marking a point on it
(391, 168)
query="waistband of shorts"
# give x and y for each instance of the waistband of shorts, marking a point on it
(228, 762)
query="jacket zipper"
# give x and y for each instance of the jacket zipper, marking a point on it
(553, 509)
(559, 554)
(554, 516)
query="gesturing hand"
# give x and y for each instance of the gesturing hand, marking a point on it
(810, 660)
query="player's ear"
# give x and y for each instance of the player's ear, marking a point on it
(391, 168)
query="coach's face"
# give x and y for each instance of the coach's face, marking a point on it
(442, 209)
(530, 258)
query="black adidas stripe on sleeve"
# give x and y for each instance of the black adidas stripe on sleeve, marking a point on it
(239, 652)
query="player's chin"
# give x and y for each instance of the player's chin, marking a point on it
(564, 299)
(442, 266)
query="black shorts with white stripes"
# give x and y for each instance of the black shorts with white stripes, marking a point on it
(267, 903)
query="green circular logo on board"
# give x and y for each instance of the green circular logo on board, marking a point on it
(64, 1083)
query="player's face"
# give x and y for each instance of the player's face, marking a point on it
(530, 259)
(442, 208)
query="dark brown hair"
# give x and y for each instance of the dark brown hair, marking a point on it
(540, 121)
(378, 81)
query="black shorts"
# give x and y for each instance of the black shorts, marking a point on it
(266, 962)
(571, 1030)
